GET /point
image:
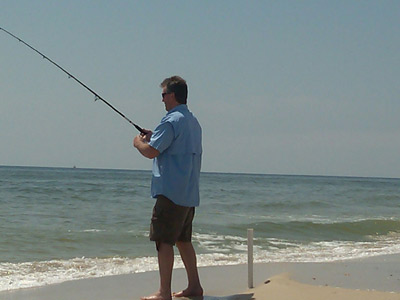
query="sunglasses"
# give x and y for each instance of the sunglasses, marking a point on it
(163, 94)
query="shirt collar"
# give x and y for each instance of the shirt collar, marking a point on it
(180, 108)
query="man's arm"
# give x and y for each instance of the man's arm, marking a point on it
(140, 142)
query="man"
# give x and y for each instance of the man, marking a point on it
(175, 147)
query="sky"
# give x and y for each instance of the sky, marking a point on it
(279, 87)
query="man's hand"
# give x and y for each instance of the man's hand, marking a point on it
(138, 140)
(141, 141)
(142, 138)
(147, 134)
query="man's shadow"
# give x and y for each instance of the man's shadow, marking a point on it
(231, 297)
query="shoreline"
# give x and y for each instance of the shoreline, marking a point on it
(379, 275)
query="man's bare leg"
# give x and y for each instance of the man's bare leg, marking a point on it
(165, 264)
(188, 255)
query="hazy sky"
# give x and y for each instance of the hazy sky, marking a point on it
(280, 87)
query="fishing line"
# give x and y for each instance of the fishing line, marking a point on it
(96, 96)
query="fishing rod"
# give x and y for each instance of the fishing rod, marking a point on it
(97, 96)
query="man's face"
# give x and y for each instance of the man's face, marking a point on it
(168, 99)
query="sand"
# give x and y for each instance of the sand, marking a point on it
(283, 288)
(375, 278)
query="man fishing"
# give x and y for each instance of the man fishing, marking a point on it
(176, 150)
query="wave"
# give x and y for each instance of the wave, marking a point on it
(33, 274)
(40, 273)
(340, 230)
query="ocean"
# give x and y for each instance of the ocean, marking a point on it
(59, 224)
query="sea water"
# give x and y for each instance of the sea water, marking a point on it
(59, 224)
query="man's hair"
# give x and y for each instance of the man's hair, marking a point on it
(178, 86)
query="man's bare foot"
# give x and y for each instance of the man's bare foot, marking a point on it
(196, 292)
(157, 296)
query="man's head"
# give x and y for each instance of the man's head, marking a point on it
(177, 86)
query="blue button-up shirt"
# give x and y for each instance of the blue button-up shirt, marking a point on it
(176, 170)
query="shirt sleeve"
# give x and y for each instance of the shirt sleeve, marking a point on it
(162, 137)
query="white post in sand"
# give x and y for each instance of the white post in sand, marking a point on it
(250, 233)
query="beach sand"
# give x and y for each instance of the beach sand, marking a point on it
(376, 278)
(283, 288)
